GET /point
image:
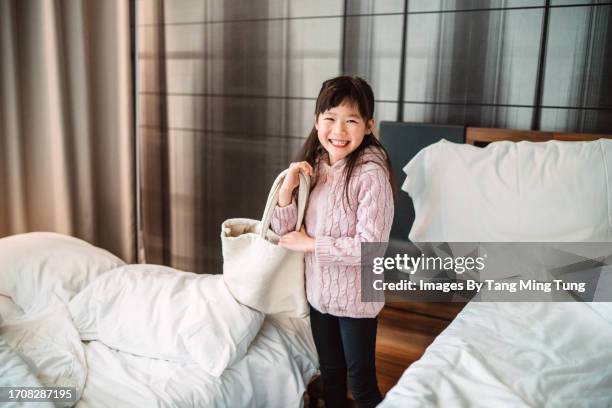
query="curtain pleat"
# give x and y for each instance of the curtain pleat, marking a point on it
(67, 121)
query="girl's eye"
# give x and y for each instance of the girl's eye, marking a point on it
(332, 119)
(352, 121)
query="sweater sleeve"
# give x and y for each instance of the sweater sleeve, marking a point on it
(374, 219)
(284, 218)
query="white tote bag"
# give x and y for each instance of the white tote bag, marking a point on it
(259, 273)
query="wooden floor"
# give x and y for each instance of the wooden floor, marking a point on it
(405, 330)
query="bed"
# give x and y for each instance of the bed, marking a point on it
(512, 354)
(73, 315)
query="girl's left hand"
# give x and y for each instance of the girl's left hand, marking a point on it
(298, 241)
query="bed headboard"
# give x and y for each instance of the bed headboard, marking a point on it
(403, 141)
(483, 136)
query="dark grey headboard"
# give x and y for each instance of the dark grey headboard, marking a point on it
(403, 141)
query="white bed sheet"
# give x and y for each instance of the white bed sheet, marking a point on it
(46, 340)
(8, 309)
(273, 374)
(513, 355)
(14, 370)
(278, 364)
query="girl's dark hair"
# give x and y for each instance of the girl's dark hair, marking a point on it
(335, 92)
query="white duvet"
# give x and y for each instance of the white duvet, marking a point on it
(159, 312)
(514, 355)
(47, 342)
(212, 351)
(272, 374)
(14, 370)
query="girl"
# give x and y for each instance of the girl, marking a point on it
(351, 202)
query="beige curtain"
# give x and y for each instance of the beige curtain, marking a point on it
(66, 138)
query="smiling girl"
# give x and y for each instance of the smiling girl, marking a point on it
(351, 202)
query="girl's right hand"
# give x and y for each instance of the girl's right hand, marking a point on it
(292, 180)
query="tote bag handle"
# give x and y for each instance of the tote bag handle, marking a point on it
(302, 200)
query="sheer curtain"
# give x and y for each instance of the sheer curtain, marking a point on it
(226, 94)
(66, 119)
(227, 89)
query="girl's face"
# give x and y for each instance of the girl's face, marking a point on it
(341, 130)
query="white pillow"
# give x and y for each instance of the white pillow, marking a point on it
(40, 266)
(160, 312)
(529, 192)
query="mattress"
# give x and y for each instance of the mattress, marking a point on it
(513, 354)
(279, 362)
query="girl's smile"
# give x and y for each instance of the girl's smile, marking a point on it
(341, 130)
(339, 143)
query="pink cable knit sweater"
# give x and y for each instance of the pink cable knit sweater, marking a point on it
(333, 271)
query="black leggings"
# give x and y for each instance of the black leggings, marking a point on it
(346, 344)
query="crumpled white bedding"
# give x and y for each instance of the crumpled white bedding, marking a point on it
(280, 361)
(513, 355)
(40, 344)
(14, 370)
(160, 312)
(46, 340)
(271, 375)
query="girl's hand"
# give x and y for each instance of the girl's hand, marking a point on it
(298, 241)
(292, 180)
